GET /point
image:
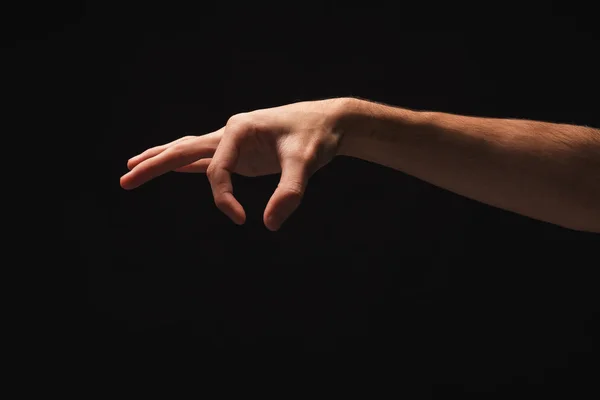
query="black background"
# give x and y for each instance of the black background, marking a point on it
(374, 261)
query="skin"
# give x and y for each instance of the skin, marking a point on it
(545, 171)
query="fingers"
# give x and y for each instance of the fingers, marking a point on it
(175, 156)
(199, 166)
(219, 174)
(132, 162)
(288, 195)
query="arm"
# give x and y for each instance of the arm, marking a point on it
(546, 171)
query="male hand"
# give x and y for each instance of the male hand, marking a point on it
(295, 139)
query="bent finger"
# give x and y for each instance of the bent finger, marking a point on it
(219, 174)
(288, 194)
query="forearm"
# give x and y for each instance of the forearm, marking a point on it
(545, 171)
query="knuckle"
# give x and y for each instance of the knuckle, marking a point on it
(306, 154)
(298, 156)
(178, 150)
(242, 121)
(210, 172)
(237, 119)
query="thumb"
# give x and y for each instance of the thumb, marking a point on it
(287, 195)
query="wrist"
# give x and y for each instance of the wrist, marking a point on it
(365, 126)
(350, 117)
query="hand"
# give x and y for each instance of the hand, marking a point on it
(295, 139)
